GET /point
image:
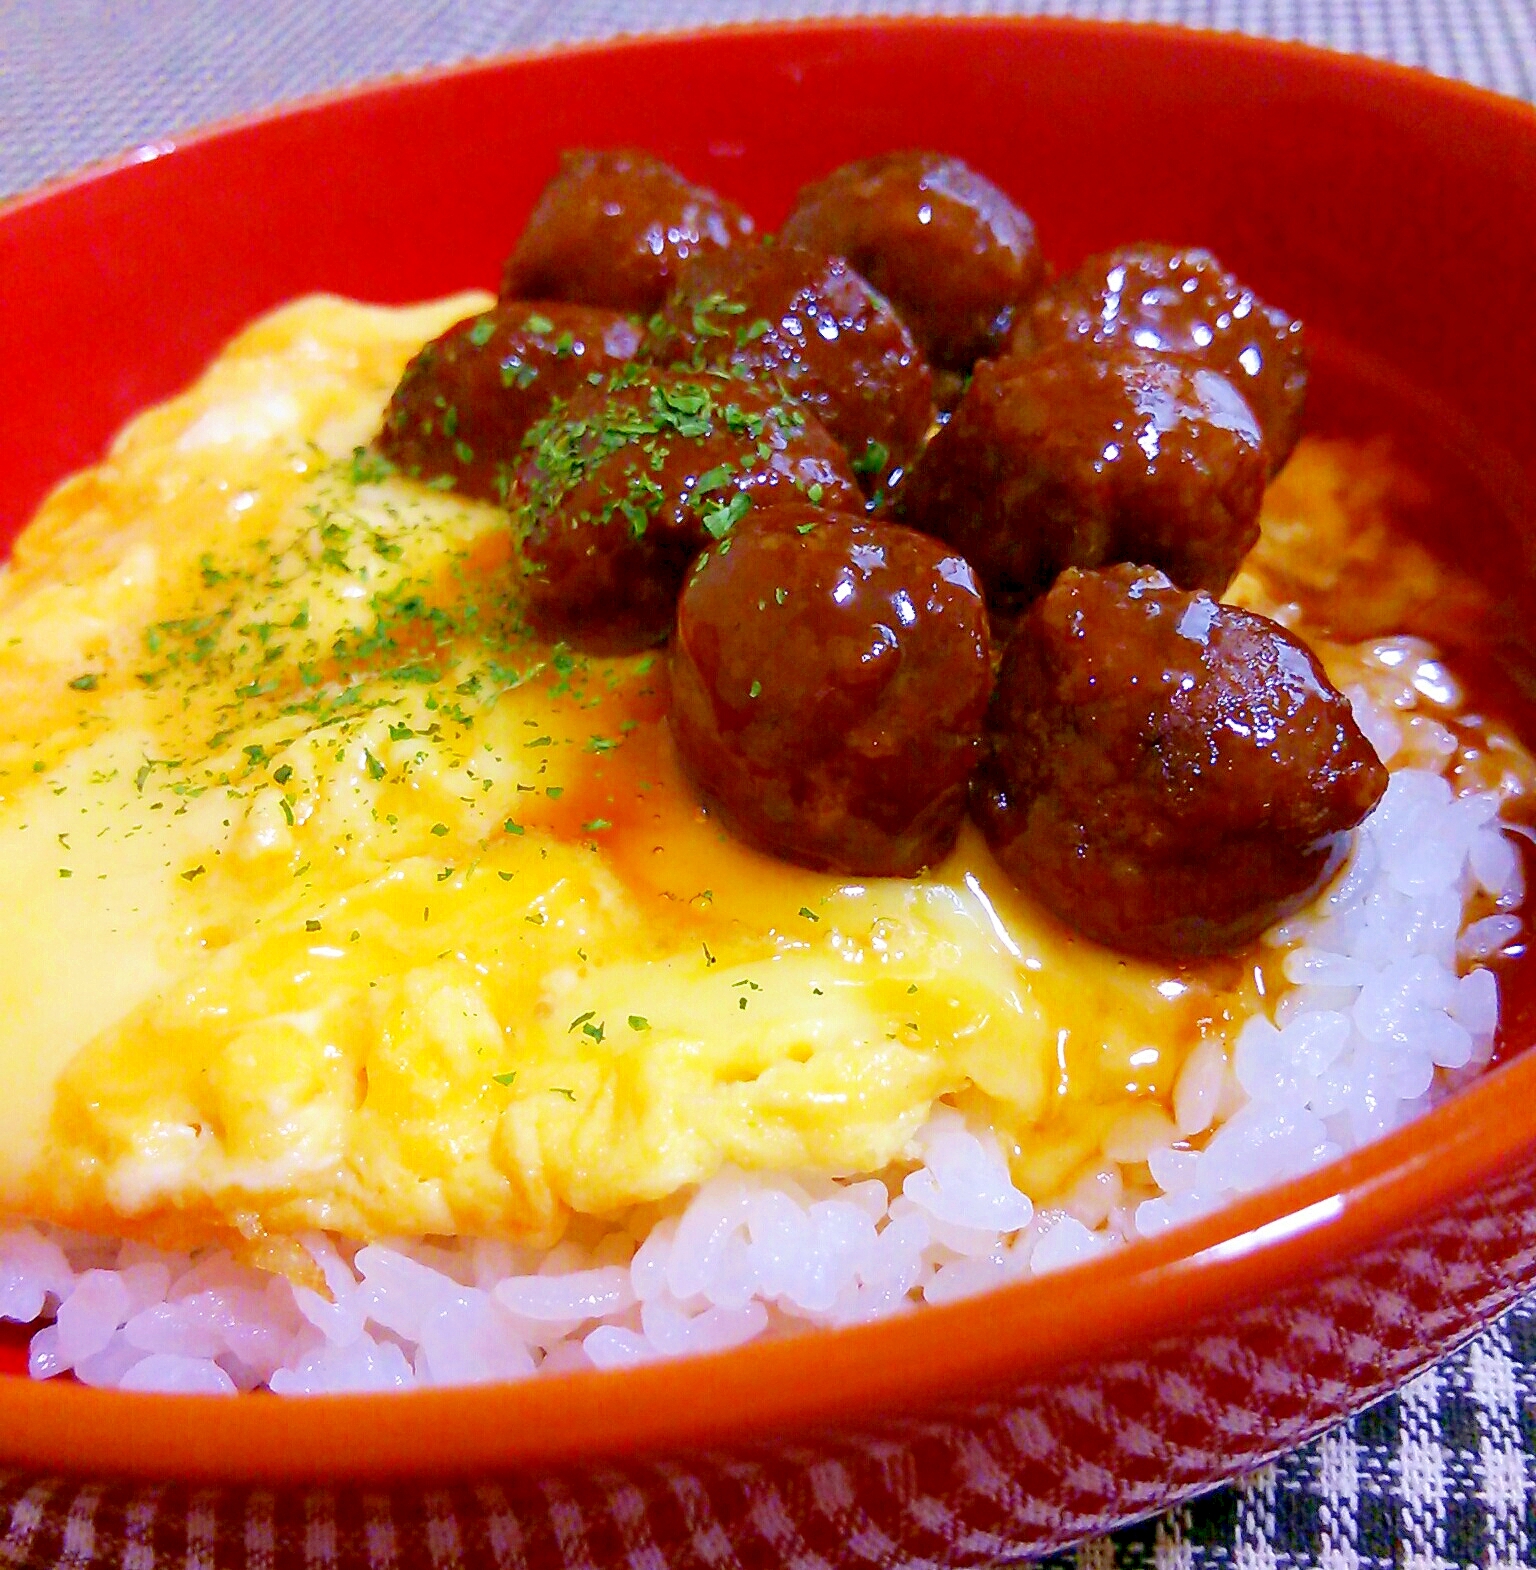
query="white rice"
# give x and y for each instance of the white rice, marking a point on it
(1387, 1005)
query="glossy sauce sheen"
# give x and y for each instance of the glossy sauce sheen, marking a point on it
(1083, 458)
(814, 323)
(469, 397)
(354, 905)
(613, 228)
(1171, 774)
(626, 482)
(856, 754)
(1181, 301)
(950, 250)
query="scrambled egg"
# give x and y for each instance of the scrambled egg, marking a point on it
(336, 900)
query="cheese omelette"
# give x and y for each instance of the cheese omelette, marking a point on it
(340, 901)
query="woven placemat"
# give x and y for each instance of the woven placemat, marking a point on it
(1441, 1474)
(83, 79)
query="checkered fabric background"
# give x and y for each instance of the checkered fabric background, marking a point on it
(1442, 1473)
(82, 79)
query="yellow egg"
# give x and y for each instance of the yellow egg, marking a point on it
(337, 901)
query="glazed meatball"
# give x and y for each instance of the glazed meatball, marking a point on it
(950, 251)
(625, 483)
(1080, 456)
(1183, 302)
(1167, 774)
(813, 323)
(467, 399)
(830, 677)
(611, 229)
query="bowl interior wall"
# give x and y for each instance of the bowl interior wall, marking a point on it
(1400, 224)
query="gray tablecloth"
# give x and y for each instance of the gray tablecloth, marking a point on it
(1444, 1472)
(81, 79)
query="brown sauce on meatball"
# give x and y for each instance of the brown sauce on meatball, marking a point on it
(1182, 301)
(953, 253)
(468, 398)
(829, 680)
(809, 321)
(627, 482)
(1082, 455)
(613, 227)
(1167, 773)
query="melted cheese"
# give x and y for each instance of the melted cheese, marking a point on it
(338, 901)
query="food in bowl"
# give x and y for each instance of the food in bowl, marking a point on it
(387, 986)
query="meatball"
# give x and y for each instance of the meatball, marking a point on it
(467, 399)
(950, 251)
(1182, 302)
(625, 483)
(1080, 456)
(611, 229)
(828, 337)
(830, 677)
(1166, 773)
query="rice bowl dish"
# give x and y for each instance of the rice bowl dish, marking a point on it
(1354, 1014)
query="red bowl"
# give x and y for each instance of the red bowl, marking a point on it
(1393, 211)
